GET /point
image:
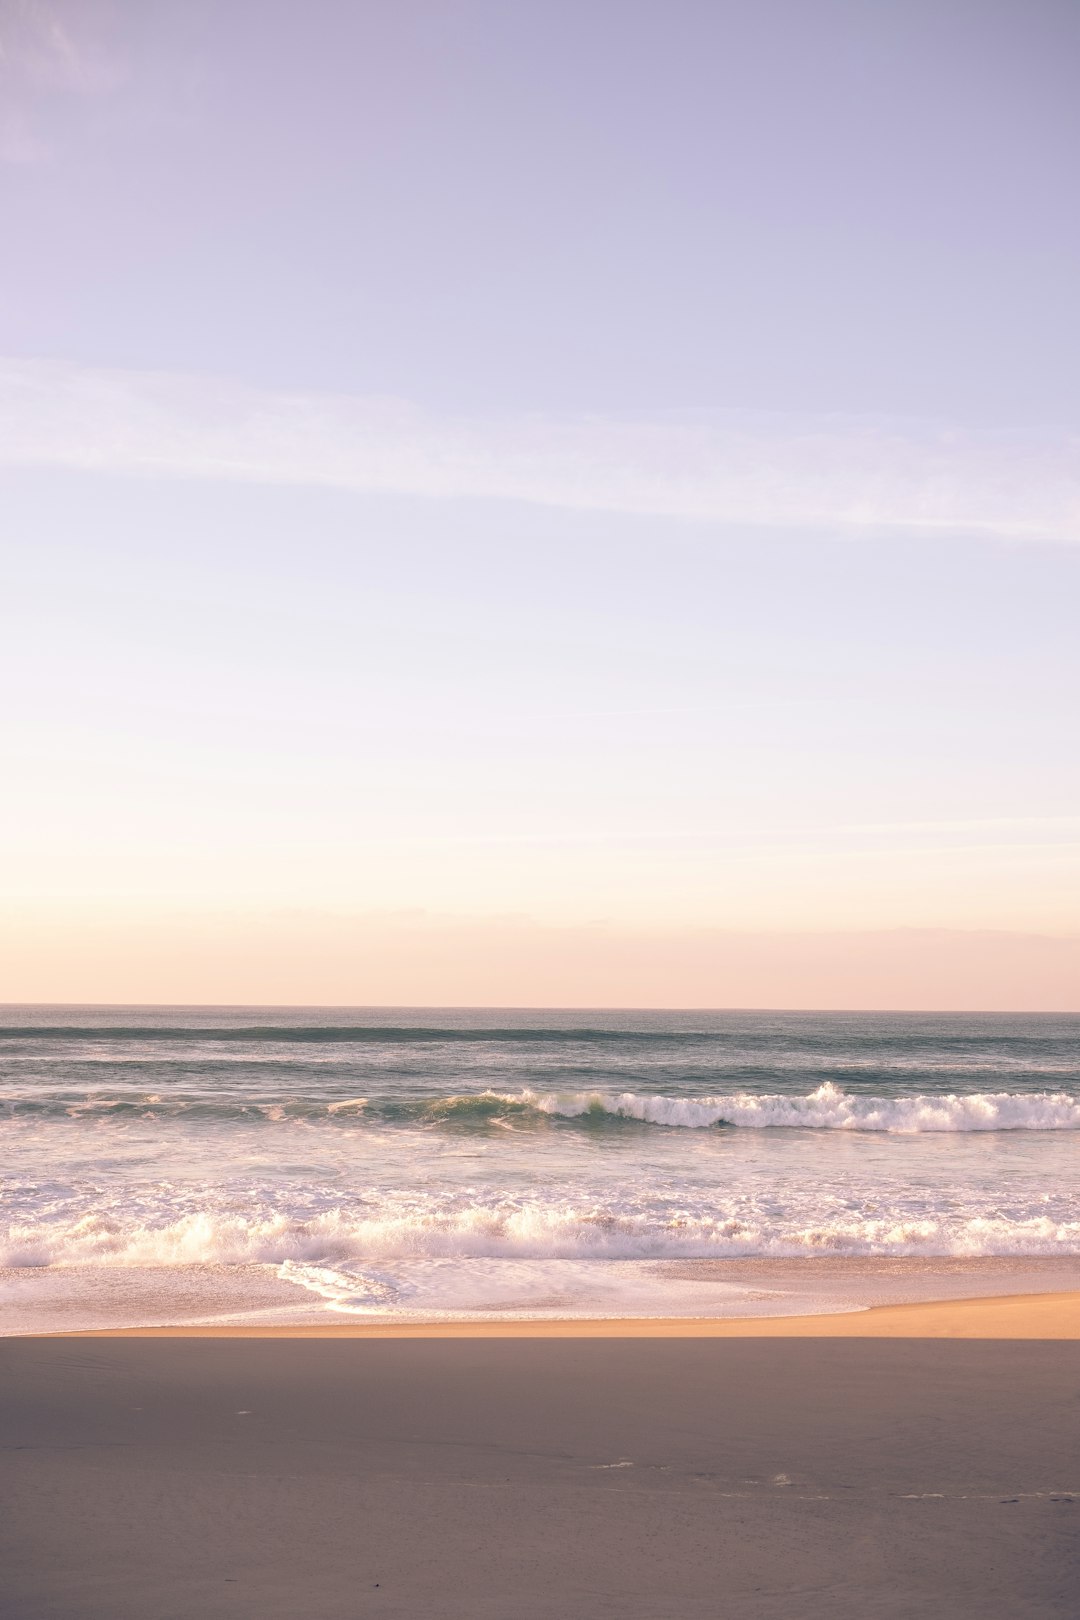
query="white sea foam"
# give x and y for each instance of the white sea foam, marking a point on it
(530, 1230)
(425, 1288)
(356, 1291)
(828, 1108)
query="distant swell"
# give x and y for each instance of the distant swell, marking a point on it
(828, 1108)
(985, 1043)
(364, 1034)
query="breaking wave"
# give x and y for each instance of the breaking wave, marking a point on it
(525, 1230)
(831, 1108)
(828, 1108)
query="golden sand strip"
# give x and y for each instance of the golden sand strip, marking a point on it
(1014, 1316)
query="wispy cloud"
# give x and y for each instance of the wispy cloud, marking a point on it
(48, 48)
(730, 468)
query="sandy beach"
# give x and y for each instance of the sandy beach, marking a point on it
(911, 1460)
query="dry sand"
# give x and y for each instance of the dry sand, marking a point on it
(917, 1461)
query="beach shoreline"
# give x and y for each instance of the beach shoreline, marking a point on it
(827, 1294)
(1053, 1316)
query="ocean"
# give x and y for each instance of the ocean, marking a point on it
(257, 1165)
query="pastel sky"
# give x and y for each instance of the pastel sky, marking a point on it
(540, 503)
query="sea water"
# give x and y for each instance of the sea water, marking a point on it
(242, 1164)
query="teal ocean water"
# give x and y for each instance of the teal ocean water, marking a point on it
(428, 1162)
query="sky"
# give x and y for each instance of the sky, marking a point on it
(540, 503)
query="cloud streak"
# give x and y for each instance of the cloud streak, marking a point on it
(48, 48)
(834, 473)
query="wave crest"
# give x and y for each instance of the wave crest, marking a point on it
(831, 1108)
(828, 1108)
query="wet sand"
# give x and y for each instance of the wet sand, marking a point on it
(469, 1476)
(1017, 1316)
(68, 1299)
